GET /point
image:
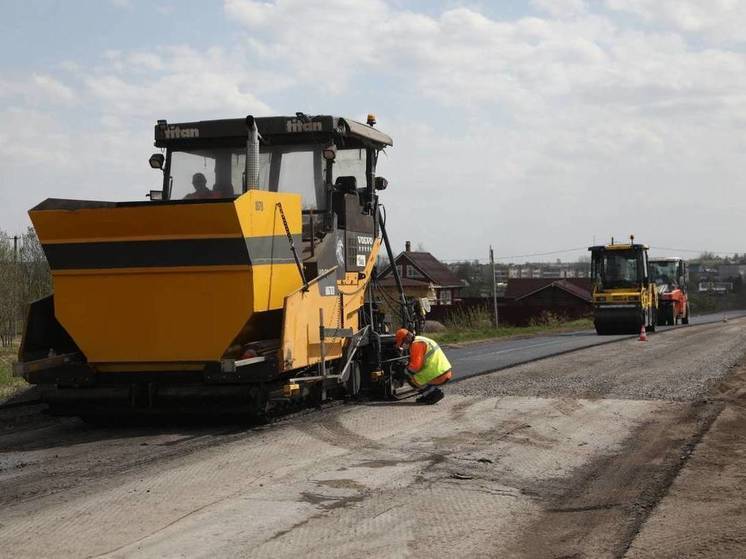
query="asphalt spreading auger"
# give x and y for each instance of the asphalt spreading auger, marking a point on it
(244, 283)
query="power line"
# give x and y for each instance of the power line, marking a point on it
(568, 250)
(698, 251)
(549, 253)
(542, 253)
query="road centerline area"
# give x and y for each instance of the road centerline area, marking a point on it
(502, 351)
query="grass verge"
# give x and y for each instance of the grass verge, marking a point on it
(9, 385)
(471, 334)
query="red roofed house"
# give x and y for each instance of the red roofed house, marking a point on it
(423, 276)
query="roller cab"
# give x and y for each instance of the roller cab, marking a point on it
(670, 278)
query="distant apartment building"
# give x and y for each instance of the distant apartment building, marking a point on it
(543, 270)
(477, 282)
(726, 272)
(501, 273)
(717, 278)
(715, 287)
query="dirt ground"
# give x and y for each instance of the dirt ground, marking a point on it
(627, 449)
(704, 512)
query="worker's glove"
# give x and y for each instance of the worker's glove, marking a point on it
(399, 372)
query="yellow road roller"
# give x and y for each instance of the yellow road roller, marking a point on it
(243, 283)
(624, 298)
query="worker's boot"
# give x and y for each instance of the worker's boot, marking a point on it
(431, 395)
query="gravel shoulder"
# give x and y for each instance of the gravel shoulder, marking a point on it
(682, 364)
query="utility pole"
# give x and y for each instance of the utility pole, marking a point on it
(494, 286)
(14, 300)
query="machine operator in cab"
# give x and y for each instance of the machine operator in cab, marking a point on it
(428, 366)
(199, 183)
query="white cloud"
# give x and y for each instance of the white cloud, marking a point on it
(176, 82)
(145, 61)
(42, 157)
(465, 60)
(250, 13)
(32, 138)
(562, 108)
(322, 42)
(561, 8)
(98, 145)
(38, 89)
(500, 126)
(717, 20)
(53, 89)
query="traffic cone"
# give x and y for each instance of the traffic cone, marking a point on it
(643, 334)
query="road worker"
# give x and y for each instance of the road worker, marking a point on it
(428, 366)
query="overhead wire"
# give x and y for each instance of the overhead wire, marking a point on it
(699, 251)
(548, 253)
(577, 249)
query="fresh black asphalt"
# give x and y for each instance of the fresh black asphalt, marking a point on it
(472, 359)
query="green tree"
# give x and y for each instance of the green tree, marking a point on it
(9, 291)
(35, 276)
(24, 277)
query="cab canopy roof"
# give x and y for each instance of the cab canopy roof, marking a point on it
(623, 246)
(274, 130)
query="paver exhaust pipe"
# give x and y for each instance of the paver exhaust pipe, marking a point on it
(252, 154)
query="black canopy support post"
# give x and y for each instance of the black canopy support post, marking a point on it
(402, 299)
(322, 352)
(327, 218)
(278, 205)
(371, 160)
(168, 180)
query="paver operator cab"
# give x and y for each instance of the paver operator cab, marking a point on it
(246, 277)
(670, 277)
(624, 298)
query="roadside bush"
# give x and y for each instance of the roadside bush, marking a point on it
(469, 318)
(703, 303)
(546, 318)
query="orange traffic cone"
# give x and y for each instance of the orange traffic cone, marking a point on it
(643, 334)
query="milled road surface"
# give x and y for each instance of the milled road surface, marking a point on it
(628, 448)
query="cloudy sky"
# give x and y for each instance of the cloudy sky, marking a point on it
(535, 126)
